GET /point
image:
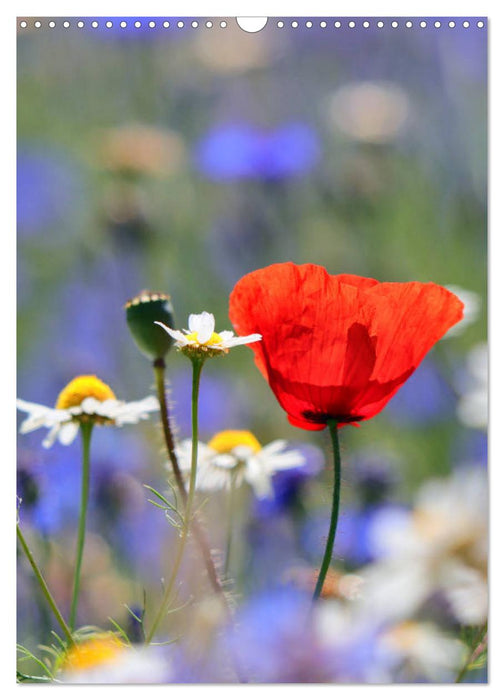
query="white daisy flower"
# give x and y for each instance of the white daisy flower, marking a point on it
(421, 647)
(106, 659)
(472, 308)
(234, 456)
(472, 408)
(202, 338)
(85, 399)
(441, 546)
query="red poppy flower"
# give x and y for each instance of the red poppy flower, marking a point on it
(338, 346)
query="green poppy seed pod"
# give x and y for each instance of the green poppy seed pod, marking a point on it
(141, 313)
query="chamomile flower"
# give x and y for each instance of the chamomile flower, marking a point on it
(440, 547)
(105, 658)
(201, 338)
(234, 456)
(85, 399)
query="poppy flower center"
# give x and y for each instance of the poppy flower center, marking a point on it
(92, 652)
(227, 440)
(81, 388)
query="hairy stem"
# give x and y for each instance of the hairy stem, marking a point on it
(197, 367)
(159, 371)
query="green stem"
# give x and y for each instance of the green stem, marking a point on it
(43, 586)
(474, 653)
(86, 429)
(197, 367)
(333, 430)
(159, 371)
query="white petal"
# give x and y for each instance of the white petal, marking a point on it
(33, 422)
(183, 452)
(68, 433)
(30, 407)
(258, 478)
(285, 460)
(203, 325)
(134, 411)
(51, 436)
(226, 336)
(41, 416)
(177, 335)
(243, 340)
(242, 452)
(150, 403)
(109, 408)
(274, 447)
(224, 461)
(90, 405)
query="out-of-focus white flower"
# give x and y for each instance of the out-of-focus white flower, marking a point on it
(422, 648)
(234, 456)
(441, 546)
(105, 659)
(373, 112)
(86, 399)
(202, 338)
(234, 51)
(141, 149)
(472, 408)
(472, 307)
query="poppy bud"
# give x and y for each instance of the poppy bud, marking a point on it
(141, 313)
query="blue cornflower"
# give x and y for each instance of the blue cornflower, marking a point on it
(243, 151)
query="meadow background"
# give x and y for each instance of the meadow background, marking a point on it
(179, 159)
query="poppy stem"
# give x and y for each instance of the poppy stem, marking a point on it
(333, 430)
(86, 429)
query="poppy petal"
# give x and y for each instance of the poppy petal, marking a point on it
(337, 346)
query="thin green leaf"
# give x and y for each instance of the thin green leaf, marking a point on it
(30, 655)
(120, 629)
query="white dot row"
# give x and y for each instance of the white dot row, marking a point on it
(123, 24)
(280, 24)
(380, 24)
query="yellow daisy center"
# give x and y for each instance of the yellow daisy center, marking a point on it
(92, 653)
(228, 439)
(214, 339)
(81, 388)
(404, 635)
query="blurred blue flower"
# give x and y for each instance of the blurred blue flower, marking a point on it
(354, 545)
(49, 482)
(373, 475)
(277, 639)
(56, 477)
(354, 542)
(424, 399)
(288, 483)
(242, 151)
(48, 189)
(470, 447)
